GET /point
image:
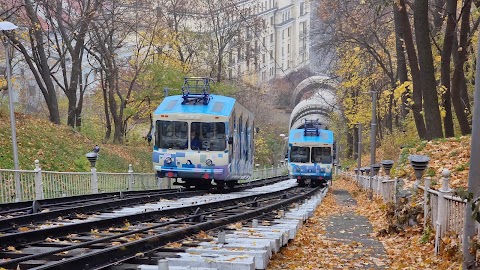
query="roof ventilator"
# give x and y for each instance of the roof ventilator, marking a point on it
(195, 90)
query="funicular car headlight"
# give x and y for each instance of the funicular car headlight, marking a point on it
(209, 162)
(168, 160)
(298, 169)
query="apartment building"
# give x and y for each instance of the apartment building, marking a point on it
(271, 36)
(279, 46)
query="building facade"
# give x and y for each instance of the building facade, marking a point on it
(279, 47)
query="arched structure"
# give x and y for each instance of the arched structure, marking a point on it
(306, 85)
(319, 106)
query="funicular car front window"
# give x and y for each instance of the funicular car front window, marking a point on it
(300, 154)
(211, 135)
(321, 155)
(172, 134)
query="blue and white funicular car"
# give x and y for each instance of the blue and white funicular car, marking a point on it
(201, 137)
(310, 154)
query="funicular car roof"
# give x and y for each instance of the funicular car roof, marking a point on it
(218, 105)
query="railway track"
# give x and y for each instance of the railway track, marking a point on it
(16, 216)
(99, 243)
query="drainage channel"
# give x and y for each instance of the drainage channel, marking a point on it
(111, 243)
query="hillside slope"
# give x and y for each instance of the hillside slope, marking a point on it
(449, 153)
(60, 148)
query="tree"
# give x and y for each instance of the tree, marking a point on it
(417, 94)
(402, 72)
(226, 23)
(39, 52)
(460, 98)
(451, 11)
(120, 70)
(72, 21)
(183, 40)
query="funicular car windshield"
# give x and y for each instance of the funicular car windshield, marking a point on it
(211, 136)
(172, 134)
(321, 155)
(300, 154)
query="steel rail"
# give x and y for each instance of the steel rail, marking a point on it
(117, 202)
(27, 237)
(132, 232)
(6, 208)
(113, 255)
(9, 223)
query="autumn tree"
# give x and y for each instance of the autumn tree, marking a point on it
(35, 48)
(121, 43)
(72, 22)
(181, 38)
(226, 25)
(425, 60)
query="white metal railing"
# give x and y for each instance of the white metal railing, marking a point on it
(37, 184)
(443, 211)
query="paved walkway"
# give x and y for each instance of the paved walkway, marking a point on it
(355, 231)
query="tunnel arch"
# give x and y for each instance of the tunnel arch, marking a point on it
(318, 81)
(319, 106)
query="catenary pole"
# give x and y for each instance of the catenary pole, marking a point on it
(373, 132)
(359, 154)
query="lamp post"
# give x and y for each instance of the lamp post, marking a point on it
(8, 26)
(92, 157)
(284, 145)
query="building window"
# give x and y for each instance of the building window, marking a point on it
(271, 21)
(302, 8)
(288, 31)
(271, 37)
(288, 48)
(263, 58)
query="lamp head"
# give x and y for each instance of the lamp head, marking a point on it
(92, 157)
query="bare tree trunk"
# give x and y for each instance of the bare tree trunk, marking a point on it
(448, 40)
(414, 69)
(38, 62)
(429, 88)
(458, 80)
(438, 16)
(108, 124)
(355, 143)
(219, 65)
(402, 73)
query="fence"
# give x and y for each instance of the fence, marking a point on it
(443, 211)
(38, 184)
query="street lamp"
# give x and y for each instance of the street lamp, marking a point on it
(8, 26)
